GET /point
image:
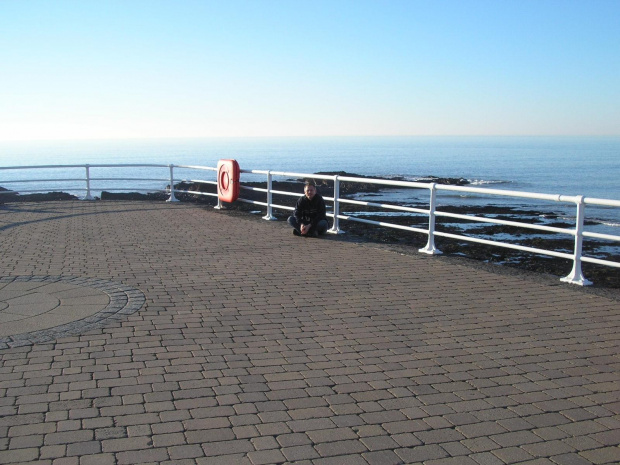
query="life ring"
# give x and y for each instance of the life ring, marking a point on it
(228, 180)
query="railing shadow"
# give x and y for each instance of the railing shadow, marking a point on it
(77, 204)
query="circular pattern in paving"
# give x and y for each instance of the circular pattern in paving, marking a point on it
(42, 308)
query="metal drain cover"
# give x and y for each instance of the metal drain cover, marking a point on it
(42, 308)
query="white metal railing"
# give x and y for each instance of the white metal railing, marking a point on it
(86, 180)
(578, 233)
(576, 275)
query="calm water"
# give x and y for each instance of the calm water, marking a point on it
(587, 166)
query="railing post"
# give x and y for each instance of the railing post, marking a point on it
(219, 205)
(430, 245)
(336, 226)
(269, 216)
(172, 198)
(576, 275)
(88, 196)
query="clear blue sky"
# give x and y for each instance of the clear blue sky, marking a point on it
(180, 68)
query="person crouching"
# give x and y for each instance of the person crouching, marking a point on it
(309, 218)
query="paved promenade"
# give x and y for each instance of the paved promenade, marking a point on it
(145, 332)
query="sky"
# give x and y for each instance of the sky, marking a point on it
(107, 69)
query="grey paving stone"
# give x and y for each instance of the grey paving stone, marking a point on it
(216, 348)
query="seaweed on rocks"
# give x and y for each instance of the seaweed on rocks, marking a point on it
(36, 197)
(7, 196)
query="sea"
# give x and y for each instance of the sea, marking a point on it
(588, 166)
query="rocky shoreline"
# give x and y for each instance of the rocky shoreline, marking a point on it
(604, 277)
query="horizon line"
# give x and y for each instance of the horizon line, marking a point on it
(350, 136)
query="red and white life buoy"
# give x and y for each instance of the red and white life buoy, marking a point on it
(228, 173)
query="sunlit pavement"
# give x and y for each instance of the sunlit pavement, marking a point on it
(187, 335)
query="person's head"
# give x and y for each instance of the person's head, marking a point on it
(310, 189)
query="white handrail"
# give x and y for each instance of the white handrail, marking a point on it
(193, 167)
(43, 180)
(576, 275)
(384, 205)
(602, 202)
(580, 202)
(482, 219)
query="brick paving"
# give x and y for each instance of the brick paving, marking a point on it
(253, 346)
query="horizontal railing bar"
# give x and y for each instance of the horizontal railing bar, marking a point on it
(43, 167)
(84, 189)
(176, 191)
(199, 181)
(254, 202)
(509, 193)
(290, 194)
(505, 245)
(129, 179)
(21, 191)
(381, 223)
(609, 237)
(254, 171)
(260, 189)
(285, 173)
(284, 207)
(481, 219)
(45, 180)
(124, 189)
(207, 168)
(134, 165)
(265, 204)
(598, 261)
(603, 202)
(387, 182)
(385, 205)
(280, 207)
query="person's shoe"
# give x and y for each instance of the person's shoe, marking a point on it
(296, 233)
(314, 234)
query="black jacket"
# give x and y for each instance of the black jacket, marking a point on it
(310, 211)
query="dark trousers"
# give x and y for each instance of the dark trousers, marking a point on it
(320, 228)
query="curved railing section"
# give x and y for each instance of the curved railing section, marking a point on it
(168, 180)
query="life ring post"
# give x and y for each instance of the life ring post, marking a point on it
(228, 174)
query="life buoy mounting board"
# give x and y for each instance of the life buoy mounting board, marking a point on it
(228, 180)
